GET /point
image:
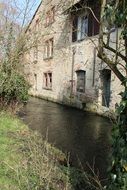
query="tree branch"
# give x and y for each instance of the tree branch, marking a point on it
(112, 66)
(114, 51)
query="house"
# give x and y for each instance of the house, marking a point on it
(62, 63)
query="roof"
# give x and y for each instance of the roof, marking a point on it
(33, 16)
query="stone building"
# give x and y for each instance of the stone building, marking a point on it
(62, 63)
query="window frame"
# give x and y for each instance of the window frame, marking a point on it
(50, 16)
(92, 26)
(79, 85)
(35, 53)
(80, 33)
(48, 49)
(47, 80)
(77, 27)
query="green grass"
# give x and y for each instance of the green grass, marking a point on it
(27, 162)
(10, 156)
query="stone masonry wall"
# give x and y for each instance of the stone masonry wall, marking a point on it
(68, 57)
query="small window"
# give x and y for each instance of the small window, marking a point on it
(47, 82)
(50, 16)
(81, 79)
(35, 54)
(48, 49)
(80, 28)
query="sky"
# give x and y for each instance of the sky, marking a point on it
(20, 6)
(33, 4)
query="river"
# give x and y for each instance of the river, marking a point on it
(85, 136)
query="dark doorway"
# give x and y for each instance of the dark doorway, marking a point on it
(106, 85)
(81, 79)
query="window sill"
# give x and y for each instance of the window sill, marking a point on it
(86, 38)
(48, 58)
(78, 92)
(46, 88)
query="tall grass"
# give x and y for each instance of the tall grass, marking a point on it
(28, 162)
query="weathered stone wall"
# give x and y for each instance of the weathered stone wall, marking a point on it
(64, 61)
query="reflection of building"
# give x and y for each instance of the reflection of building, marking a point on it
(62, 65)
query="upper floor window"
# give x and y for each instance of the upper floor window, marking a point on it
(35, 53)
(82, 27)
(84, 24)
(48, 49)
(81, 80)
(50, 16)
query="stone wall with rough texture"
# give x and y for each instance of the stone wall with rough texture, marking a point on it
(64, 62)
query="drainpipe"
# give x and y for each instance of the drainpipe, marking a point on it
(72, 71)
(94, 64)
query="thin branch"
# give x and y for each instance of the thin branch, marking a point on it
(114, 51)
(112, 66)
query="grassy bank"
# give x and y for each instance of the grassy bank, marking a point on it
(27, 162)
(10, 156)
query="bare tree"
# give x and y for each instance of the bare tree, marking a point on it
(12, 47)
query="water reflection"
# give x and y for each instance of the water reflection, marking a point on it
(84, 135)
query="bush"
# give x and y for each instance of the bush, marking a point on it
(13, 87)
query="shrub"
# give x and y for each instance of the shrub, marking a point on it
(13, 88)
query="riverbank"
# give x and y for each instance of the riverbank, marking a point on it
(93, 107)
(27, 162)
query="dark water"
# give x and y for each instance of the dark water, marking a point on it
(84, 135)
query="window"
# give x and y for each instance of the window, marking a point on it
(81, 79)
(47, 83)
(80, 28)
(35, 54)
(50, 16)
(85, 24)
(48, 49)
